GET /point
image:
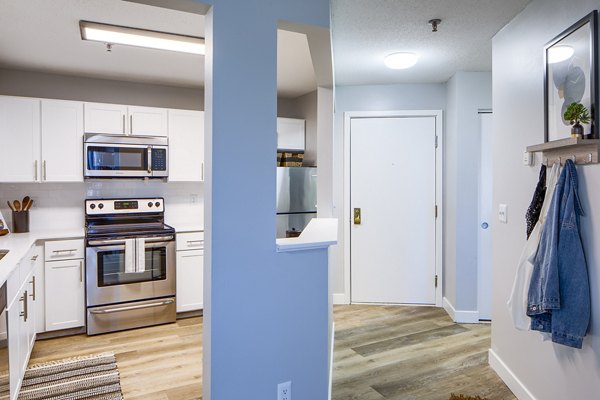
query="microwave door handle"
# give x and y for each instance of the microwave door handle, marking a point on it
(149, 160)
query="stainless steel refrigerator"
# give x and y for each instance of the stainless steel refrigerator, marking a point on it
(296, 199)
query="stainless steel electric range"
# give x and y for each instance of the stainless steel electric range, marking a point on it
(130, 264)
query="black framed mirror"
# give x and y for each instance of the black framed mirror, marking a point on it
(570, 61)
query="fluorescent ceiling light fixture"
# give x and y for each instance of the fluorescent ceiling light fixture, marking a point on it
(113, 34)
(560, 53)
(400, 60)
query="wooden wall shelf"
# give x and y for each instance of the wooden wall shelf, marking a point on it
(582, 151)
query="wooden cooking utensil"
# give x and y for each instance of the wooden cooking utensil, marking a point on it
(17, 204)
(29, 204)
(24, 203)
(3, 232)
(11, 205)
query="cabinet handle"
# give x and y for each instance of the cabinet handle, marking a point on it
(196, 241)
(34, 258)
(64, 251)
(124, 124)
(44, 170)
(189, 256)
(81, 271)
(33, 287)
(35, 169)
(202, 172)
(131, 124)
(25, 312)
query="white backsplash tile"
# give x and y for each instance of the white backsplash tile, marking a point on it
(60, 205)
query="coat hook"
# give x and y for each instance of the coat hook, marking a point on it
(590, 157)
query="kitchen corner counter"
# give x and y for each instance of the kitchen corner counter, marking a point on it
(18, 244)
(319, 233)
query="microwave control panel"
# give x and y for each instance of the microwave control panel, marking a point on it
(159, 159)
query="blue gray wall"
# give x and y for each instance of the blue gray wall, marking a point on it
(536, 369)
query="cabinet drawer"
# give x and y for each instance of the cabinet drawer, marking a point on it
(190, 241)
(64, 250)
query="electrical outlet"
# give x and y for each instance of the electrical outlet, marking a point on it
(284, 391)
(503, 213)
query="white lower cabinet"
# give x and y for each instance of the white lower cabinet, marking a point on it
(22, 319)
(64, 285)
(190, 271)
(65, 295)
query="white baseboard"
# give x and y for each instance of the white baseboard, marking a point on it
(340, 298)
(513, 383)
(460, 316)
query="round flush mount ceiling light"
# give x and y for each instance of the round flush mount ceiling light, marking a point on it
(400, 60)
(559, 53)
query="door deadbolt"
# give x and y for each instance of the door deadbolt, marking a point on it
(357, 216)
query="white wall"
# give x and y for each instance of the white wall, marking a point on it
(546, 370)
(266, 313)
(369, 98)
(467, 92)
(66, 87)
(60, 205)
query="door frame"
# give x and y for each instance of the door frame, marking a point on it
(439, 169)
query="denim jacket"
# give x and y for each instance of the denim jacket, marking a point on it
(559, 291)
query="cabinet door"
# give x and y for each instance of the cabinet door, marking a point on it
(65, 296)
(37, 290)
(147, 121)
(62, 141)
(190, 280)
(105, 118)
(20, 138)
(14, 354)
(186, 145)
(290, 134)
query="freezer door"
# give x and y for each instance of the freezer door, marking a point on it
(296, 189)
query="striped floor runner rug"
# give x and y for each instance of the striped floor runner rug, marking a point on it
(93, 377)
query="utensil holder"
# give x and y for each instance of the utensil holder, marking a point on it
(20, 221)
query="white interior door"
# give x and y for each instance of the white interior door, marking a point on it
(484, 238)
(393, 182)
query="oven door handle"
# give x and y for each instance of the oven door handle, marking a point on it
(129, 308)
(110, 242)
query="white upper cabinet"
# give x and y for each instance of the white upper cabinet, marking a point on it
(125, 120)
(62, 141)
(106, 118)
(290, 134)
(147, 121)
(20, 138)
(186, 145)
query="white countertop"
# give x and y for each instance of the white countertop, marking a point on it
(182, 228)
(319, 233)
(18, 244)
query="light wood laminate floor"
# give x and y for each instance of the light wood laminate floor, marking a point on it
(406, 353)
(381, 352)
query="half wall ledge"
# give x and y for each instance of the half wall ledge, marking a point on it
(319, 233)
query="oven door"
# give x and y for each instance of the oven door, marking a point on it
(111, 278)
(104, 160)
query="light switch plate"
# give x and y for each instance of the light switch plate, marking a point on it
(503, 213)
(527, 158)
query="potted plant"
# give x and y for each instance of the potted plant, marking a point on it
(577, 114)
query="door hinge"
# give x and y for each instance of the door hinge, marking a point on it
(436, 211)
(436, 281)
(436, 141)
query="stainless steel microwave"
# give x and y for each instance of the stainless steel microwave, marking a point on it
(121, 156)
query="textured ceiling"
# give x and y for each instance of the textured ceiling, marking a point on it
(43, 35)
(365, 31)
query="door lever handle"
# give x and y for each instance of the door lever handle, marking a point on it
(357, 216)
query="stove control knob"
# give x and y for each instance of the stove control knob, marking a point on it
(92, 206)
(157, 204)
(101, 206)
(150, 204)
